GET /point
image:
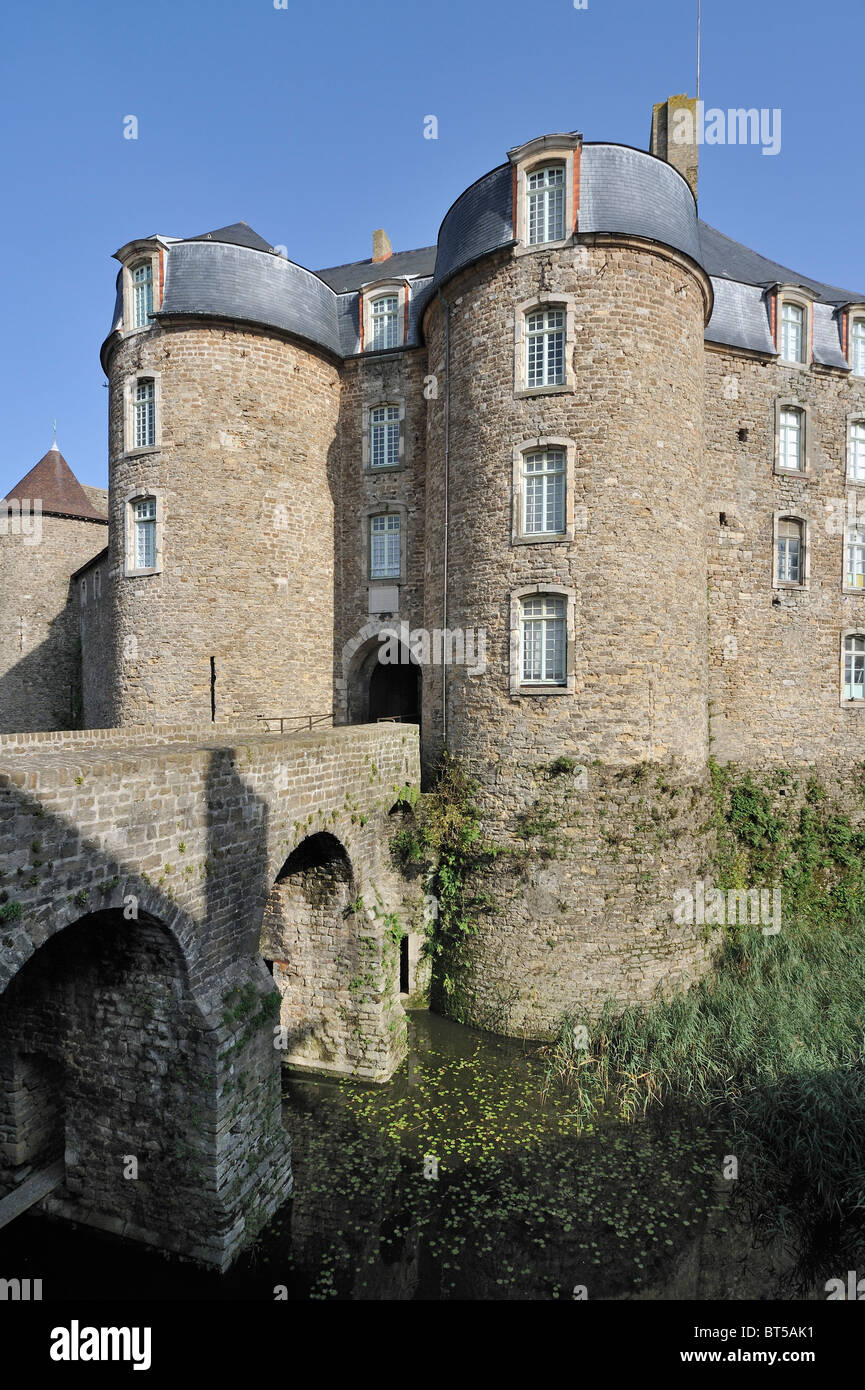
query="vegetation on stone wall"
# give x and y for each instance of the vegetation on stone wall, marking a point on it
(772, 1043)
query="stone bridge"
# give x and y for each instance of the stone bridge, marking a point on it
(156, 885)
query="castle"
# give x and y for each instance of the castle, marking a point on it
(624, 449)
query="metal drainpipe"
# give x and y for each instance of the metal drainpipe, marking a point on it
(446, 519)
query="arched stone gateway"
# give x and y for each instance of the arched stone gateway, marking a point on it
(371, 689)
(336, 962)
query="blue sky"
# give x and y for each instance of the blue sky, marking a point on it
(307, 122)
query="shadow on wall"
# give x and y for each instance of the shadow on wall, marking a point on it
(41, 691)
(135, 1036)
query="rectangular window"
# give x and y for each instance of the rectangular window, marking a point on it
(545, 348)
(790, 567)
(854, 668)
(792, 332)
(384, 436)
(790, 439)
(144, 523)
(857, 350)
(546, 205)
(543, 640)
(142, 295)
(856, 452)
(385, 322)
(855, 569)
(384, 538)
(144, 408)
(544, 492)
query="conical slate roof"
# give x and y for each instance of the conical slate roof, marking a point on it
(53, 483)
(237, 234)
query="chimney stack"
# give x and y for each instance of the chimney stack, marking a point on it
(674, 135)
(381, 247)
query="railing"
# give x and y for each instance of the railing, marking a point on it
(304, 721)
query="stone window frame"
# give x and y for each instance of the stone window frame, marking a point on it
(845, 633)
(379, 289)
(130, 570)
(785, 514)
(524, 159)
(854, 417)
(132, 258)
(853, 313)
(795, 294)
(793, 403)
(527, 446)
(130, 449)
(368, 406)
(546, 299)
(383, 508)
(555, 590)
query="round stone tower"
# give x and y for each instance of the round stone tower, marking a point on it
(565, 483)
(221, 442)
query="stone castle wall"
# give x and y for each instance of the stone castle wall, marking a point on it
(246, 469)
(775, 654)
(40, 664)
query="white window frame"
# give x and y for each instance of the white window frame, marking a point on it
(546, 197)
(854, 540)
(372, 294)
(132, 257)
(545, 443)
(528, 159)
(131, 568)
(367, 426)
(783, 406)
(518, 686)
(856, 318)
(130, 391)
(543, 303)
(797, 299)
(399, 513)
(855, 422)
(804, 580)
(855, 633)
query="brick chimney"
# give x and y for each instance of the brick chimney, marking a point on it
(674, 135)
(381, 247)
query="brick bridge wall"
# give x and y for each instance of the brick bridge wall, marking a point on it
(160, 1031)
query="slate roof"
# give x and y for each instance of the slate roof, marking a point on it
(52, 481)
(237, 234)
(349, 278)
(622, 189)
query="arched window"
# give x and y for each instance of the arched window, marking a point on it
(545, 204)
(790, 437)
(545, 347)
(854, 666)
(144, 414)
(384, 436)
(385, 322)
(543, 640)
(793, 320)
(790, 551)
(854, 568)
(543, 484)
(142, 294)
(857, 346)
(856, 451)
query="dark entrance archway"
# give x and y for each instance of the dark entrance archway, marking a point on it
(383, 690)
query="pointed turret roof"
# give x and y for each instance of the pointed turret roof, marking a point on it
(237, 234)
(52, 481)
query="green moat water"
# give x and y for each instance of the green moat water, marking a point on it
(458, 1180)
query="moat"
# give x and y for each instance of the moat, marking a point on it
(458, 1180)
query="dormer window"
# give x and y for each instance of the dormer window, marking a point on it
(385, 322)
(545, 212)
(142, 294)
(792, 343)
(857, 346)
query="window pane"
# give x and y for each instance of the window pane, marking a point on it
(546, 204)
(385, 321)
(854, 668)
(544, 492)
(855, 573)
(384, 547)
(144, 422)
(384, 437)
(142, 295)
(857, 451)
(858, 350)
(790, 439)
(792, 332)
(543, 640)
